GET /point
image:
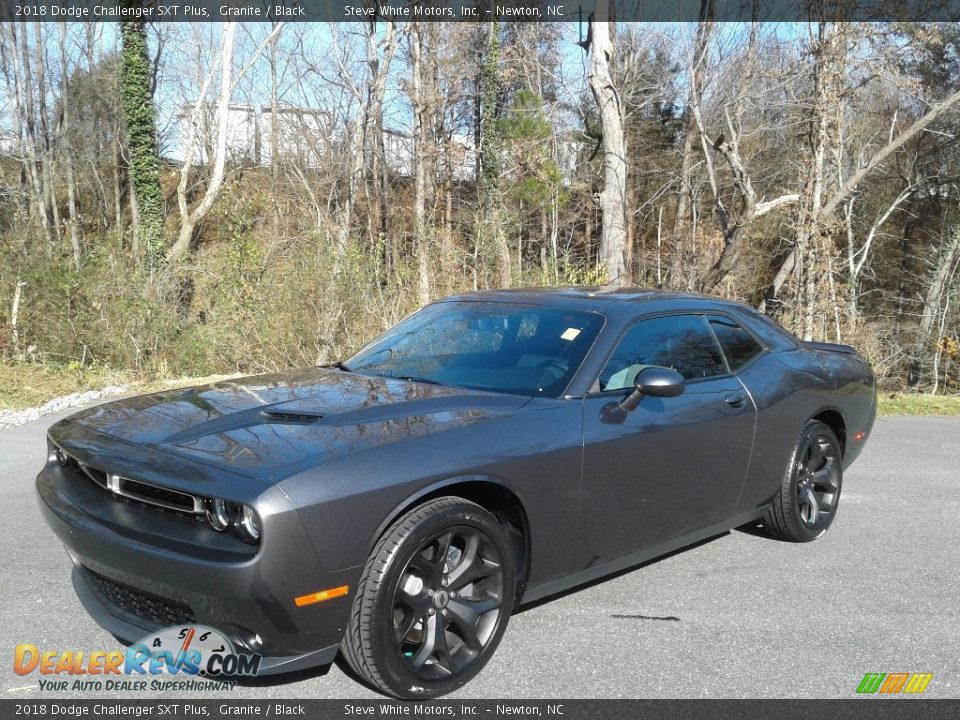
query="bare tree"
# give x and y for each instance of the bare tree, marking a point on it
(190, 218)
(613, 197)
(64, 131)
(937, 297)
(380, 52)
(423, 102)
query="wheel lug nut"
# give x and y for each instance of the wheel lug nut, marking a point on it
(444, 611)
(430, 593)
(444, 582)
(431, 611)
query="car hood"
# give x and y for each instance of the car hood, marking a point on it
(270, 426)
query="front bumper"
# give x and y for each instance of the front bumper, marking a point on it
(138, 570)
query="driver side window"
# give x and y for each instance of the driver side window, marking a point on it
(680, 342)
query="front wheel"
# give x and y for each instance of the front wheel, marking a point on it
(809, 495)
(433, 600)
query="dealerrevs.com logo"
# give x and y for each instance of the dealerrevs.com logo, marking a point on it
(193, 651)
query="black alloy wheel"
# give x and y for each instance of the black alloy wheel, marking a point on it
(809, 496)
(448, 602)
(433, 601)
(818, 481)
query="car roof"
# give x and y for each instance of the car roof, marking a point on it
(595, 298)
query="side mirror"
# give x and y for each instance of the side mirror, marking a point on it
(657, 381)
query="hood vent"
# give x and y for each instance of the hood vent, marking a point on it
(291, 416)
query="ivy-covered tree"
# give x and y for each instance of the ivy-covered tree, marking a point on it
(140, 123)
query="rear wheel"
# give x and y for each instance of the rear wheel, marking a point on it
(433, 600)
(809, 495)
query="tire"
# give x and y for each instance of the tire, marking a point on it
(433, 600)
(809, 495)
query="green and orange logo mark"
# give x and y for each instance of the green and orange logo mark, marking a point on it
(892, 683)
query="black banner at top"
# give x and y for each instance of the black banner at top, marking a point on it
(479, 10)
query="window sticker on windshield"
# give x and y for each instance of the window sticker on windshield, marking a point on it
(570, 333)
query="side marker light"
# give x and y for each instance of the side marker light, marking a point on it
(317, 597)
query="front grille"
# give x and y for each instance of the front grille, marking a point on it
(142, 493)
(157, 610)
(153, 495)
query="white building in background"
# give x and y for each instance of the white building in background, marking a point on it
(305, 136)
(398, 147)
(302, 134)
(9, 144)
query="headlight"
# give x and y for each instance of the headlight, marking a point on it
(248, 524)
(222, 515)
(219, 514)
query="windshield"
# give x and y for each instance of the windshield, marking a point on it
(501, 347)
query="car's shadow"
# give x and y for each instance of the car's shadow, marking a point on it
(606, 578)
(757, 529)
(752, 528)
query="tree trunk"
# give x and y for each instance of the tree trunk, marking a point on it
(189, 219)
(613, 196)
(46, 154)
(491, 199)
(140, 123)
(937, 294)
(274, 146)
(422, 123)
(379, 61)
(30, 144)
(66, 99)
(683, 235)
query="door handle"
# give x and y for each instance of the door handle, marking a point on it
(736, 400)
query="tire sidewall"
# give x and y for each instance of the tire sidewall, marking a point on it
(389, 665)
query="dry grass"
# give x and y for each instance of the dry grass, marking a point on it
(27, 385)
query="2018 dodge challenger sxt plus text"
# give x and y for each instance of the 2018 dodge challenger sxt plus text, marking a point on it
(490, 450)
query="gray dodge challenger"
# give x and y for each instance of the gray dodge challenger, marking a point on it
(490, 450)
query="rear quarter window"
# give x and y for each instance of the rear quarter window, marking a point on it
(774, 336)
(737, 344)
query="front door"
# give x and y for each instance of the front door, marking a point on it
(673, 465)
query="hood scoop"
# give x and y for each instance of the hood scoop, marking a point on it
(289, 416)
(243, 420)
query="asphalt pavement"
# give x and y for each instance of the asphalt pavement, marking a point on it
(740, 616)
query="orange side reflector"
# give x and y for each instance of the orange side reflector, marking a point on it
(859, 436)
(321, 596)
